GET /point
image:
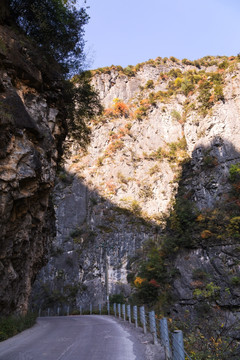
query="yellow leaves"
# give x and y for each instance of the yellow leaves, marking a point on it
(138, 281)
(200, 218)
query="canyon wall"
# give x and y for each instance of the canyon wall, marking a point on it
(167, 124)
(32, 129)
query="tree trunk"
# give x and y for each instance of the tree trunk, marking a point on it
(4, 11)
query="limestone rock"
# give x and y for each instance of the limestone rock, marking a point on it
(29, 122)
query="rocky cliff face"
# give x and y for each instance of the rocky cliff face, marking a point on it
(164, 121)
(31, 132)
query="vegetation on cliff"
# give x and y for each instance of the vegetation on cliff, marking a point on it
(154, 272)
(56, 28)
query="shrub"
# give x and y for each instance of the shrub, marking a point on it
(234, 226)
(210, 161)
(187, 62)
(199, 274)
(149, 84)
(113, 147)
(176, 115)
(119, 109)
(218, 92)
(154, 169)
(12, 325)
(173, 59)
(100, 161)
(187, 86)
(234, 172)
(178, 82)
(206, 234)
(146, 192)
(138, 281)
(223, 65)
(116, 299)
(129, 71)
(235, 280)
(135, 207)
(122, 178)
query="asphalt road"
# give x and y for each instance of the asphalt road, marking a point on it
(74, 338)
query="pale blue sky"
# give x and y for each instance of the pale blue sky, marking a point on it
(127, 32)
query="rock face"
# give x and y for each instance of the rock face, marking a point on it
(31, 132)
(112, 198)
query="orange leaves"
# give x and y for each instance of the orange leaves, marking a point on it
(205, 234)
(154, 283)
(114, 146)
(138, 281)
(200, 218)
(111, 188)
(109, 112)
(119, 109)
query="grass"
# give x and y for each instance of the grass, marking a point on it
(12, 325)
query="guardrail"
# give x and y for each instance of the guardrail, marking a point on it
(171, 342)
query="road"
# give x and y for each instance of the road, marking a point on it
(74, 338)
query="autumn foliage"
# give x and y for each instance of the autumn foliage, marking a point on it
(119, 109)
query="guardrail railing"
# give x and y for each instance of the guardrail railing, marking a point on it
(171, 342)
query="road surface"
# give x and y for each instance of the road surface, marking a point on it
(73, 338)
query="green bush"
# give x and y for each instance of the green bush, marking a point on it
(223, 65)
(12, 325)
(149, 84)
(234, 172)
(117, 298)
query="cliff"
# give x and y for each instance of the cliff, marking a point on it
(32, 129)
(170, 130)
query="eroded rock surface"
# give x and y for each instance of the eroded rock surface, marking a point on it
(128, 178)
(31, 132)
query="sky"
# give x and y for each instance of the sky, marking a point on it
(128, 32)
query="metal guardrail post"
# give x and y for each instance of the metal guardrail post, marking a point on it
(177, 344)
(135, 315)
(108, 308)
(153, 328)
(129, 313)
(143, 319)
(48, 311)
(39, 312)
(119, 310)
(115, 309)
(80, 309)
(100, 309)
(58, 311)
(68, 311)
(165, 337)
(90, 309)
(124, 311)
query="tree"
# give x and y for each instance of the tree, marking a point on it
(82, 104)
(56, 26)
